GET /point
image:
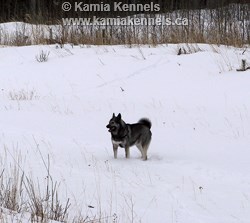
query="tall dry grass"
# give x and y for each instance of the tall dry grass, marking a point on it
(228, 25)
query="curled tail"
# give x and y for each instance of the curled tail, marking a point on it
(146, 122)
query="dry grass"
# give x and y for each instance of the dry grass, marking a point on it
(42, 57)
(23, 95)
(188, 49)
(226, 26)
(22, 199)
(11, 192)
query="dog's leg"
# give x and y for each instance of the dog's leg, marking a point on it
(144, 157)
(143, 151)
(115, 147)
(127, 152)
(140, 148)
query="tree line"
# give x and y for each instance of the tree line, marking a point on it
(49, 11)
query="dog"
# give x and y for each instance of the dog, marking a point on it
(126, 135)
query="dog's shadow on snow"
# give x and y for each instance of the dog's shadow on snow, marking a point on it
(151, 158)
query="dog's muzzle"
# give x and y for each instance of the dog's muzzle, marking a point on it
(111, 128)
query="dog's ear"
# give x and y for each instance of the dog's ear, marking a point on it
(119, 116)
(113, 115)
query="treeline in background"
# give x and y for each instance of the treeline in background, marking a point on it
(51, 10)
(209, 21)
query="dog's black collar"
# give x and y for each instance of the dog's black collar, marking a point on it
(126, 132)
(119, 138)
(124, 136)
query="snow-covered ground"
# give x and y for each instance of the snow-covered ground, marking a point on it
(199, 158)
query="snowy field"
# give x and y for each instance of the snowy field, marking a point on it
(199, 157)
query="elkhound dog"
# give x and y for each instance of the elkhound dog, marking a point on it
(126, 135)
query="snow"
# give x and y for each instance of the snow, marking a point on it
(198, 166)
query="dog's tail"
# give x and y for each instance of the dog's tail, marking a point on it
(146, 122)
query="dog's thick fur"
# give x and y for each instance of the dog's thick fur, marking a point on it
(126, 135)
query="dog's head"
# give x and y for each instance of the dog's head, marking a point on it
(114, 124)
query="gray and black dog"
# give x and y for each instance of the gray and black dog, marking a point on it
(126, 135)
